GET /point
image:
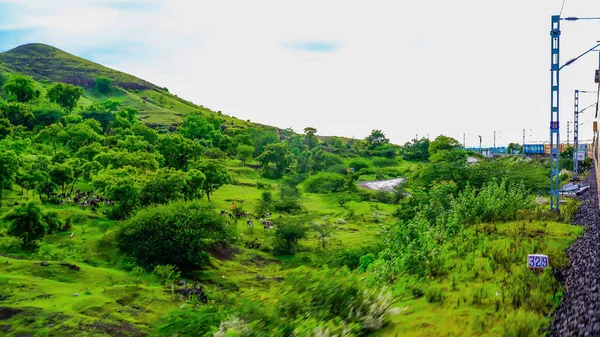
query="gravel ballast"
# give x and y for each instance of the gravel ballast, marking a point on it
(579, 312)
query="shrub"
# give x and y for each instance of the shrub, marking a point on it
(359, 164)
(434, 293)
(26, 222)
(523, 324)
(203, 322)
(53, 222)
(325, 183)
(337, 168)
(178, 234)
(167, 274)
(384, 162)
(103, 84)
(287, 237)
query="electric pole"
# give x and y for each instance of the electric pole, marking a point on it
(464, 142)
(568, 133)
(523, 145)
(494, 139)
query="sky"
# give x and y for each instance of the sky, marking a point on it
(408, 68)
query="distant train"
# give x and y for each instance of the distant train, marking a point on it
(544, 149)
(536, 149)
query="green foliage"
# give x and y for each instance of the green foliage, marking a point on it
(443, 143)
(384, 162)
(376, 138)
(359, 163)
(244, 153)
(178, 234)
(325, 183)
(287, 236)
(167, 185)
(416, 150)
(202, 322)
(21, 88)
(66, 95)
(103, 85)
(514, 148)
(27, 223)
(18, 114)
(9, 166)
(523, 324)
(277, 154)
(167, 273)
(215, 173)
(178, 151)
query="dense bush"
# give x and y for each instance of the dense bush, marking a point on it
(384, 162)
(26, 222)
(287, 236)
(178, 234)
(325, 183)
(359, 164)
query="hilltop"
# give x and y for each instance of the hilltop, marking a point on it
(158, 107)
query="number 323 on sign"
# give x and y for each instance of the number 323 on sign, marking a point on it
(537, 261)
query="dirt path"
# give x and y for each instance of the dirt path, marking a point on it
(579, 312)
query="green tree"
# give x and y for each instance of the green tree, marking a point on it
(61, 175)
(178, 234)
(21, 88)
(442, 143)
(277, 154)
(416, 150)
(66, 95)
(128, 113)
(287, 236)
(103, 84)
(18, 114)
(112, 105)
(3, 79)
(376, 138)
(310, 138)
(5, 128)
(53, 134)
(178, 151)
(514, 148)
(164, 186)
(244, 153)
(26, 222)
(80, 135)
(121, 187)
(216, 175)
(194, 186)
(195, 126)
(324, 233)
(9, 166)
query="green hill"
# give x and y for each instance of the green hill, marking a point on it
(47, 64)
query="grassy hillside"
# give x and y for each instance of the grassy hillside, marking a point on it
(47, 64)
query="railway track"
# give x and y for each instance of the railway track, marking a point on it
(579, 312)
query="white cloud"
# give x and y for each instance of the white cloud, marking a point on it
(406, 67)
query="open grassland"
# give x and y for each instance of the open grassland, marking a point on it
(479, 296)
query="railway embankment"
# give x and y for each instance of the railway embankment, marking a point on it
(579, 311)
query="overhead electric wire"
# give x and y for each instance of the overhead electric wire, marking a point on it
(562, 7)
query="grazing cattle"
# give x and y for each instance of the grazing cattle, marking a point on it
(72, 235)
(267, 214)
(267, 224)
(224, 213)
(94, 210)
(250, 223)
(103, 212)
